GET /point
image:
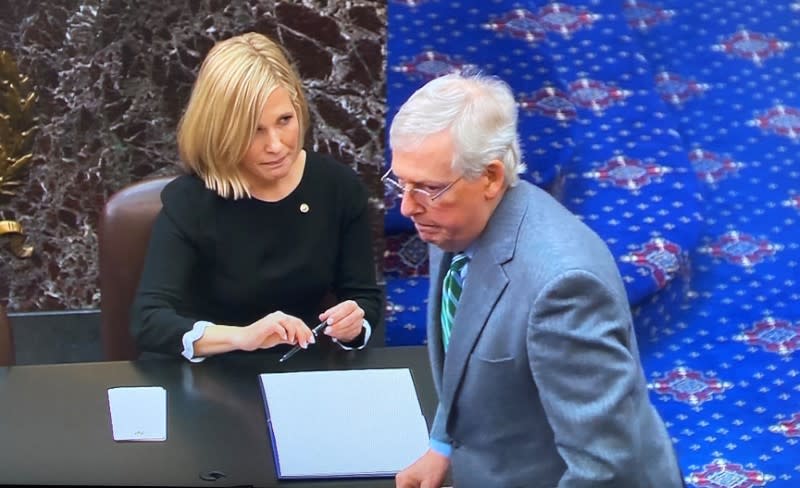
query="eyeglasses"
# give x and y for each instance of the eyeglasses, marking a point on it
(424, 194)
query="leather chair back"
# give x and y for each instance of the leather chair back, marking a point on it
(125, 227)
(6, 340)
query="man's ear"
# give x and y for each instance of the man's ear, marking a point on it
(495, 179)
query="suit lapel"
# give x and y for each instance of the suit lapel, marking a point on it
(486, 281)
(439, 262)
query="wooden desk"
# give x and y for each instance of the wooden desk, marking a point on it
(55, 426)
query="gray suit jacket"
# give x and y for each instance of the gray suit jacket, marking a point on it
(542, 384)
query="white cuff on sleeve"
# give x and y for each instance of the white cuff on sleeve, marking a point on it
(190, 337)
(367, 334)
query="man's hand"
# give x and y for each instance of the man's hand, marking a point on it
(429, 471)
(345, 321)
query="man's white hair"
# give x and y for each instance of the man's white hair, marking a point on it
(479, 111)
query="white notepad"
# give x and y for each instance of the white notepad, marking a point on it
(354, 423)
(138, 413)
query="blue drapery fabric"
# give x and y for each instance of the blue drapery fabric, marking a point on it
(675, 127)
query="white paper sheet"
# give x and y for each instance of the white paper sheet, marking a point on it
(352, 423)
(138, 413)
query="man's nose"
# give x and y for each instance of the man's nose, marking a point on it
(408, 205)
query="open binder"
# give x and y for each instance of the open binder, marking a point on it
(341, 424)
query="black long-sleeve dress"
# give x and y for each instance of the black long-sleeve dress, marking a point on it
(232, 262)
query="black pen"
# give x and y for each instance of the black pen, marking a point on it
(316, 330)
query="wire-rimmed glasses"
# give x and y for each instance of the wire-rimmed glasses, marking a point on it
(423, 194)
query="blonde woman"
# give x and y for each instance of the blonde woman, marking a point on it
(260, 230)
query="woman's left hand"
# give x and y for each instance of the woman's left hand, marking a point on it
(345, 321)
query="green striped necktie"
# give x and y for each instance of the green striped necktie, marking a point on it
(451, 293)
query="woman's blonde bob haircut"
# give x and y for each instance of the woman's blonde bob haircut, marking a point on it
(230, 92)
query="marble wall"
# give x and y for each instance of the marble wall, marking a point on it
(112, 78)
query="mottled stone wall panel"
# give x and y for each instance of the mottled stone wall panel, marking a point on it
(113, 78)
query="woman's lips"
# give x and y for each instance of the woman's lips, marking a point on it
(276, 162)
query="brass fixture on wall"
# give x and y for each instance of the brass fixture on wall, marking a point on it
(17, 125)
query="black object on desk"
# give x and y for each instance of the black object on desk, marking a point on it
(316, 330)
(56, 426)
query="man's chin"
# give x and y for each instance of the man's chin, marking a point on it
(436, 239)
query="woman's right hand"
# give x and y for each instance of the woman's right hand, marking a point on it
(273, 329)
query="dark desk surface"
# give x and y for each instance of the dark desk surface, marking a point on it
(55, 426)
